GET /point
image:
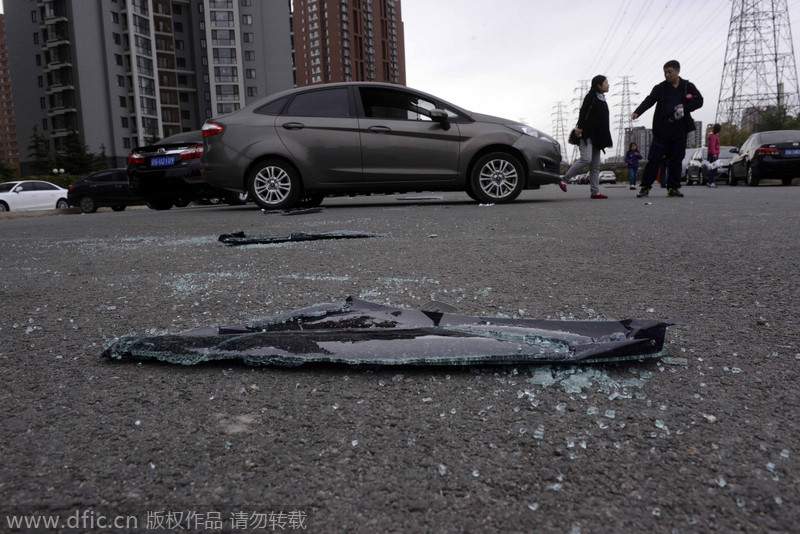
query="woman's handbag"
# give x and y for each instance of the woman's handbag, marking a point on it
(573, 137)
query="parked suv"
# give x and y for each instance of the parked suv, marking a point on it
(107, 188)
(167, 174)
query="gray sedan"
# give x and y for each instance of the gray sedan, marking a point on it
(296, 147)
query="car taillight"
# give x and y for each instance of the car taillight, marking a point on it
(767, 152)
(135, 158)
(193, 152)
(211, 128)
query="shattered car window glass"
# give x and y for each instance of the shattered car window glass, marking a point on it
(359, 332)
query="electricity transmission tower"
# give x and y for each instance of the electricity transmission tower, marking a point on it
(560, 131)
(626, 109)
(760, 70)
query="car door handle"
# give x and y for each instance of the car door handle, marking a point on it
(380, 129)
(294, 125)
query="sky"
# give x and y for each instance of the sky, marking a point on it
(518, 59)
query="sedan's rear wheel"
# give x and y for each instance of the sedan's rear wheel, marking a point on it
(786, 181)
(3, 207)
(160, 204)
(88, 205)
(752, 181)
(497, 178)
(274, 185)
(237, 199)
(62, 205)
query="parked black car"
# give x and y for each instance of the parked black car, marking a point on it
(167, 174)
(107, 188)
(773, 154)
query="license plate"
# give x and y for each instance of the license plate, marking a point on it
(792, 152)
(162, 161)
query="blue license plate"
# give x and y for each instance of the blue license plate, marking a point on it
(162, 161)
(792, 152)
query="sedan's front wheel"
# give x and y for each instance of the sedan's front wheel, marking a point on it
(274, 185)
(497, 178)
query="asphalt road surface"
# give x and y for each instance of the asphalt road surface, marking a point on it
(703, 440)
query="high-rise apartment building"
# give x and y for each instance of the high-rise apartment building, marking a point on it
(8, 136)
(123, 73)
(348, 40)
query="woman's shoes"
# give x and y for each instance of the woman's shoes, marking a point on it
(599, 195)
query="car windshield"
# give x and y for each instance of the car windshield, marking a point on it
(8, 186)
(780, 137)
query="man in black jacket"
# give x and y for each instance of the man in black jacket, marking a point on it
(675, 99)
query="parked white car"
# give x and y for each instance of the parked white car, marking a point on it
(32, 195)
(608, 177)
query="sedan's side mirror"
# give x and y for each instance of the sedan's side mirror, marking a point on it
(440, 116)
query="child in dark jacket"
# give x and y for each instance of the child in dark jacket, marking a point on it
(632, 160)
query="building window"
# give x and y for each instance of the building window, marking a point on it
(224, 55)
(33, 16)
(118, 59)
(123, 103)
(246, 3)
(228, 92)
(250, 74)
(249, 55)
(247, 20)
(121, 81)
(124, 122)
(36, 38)
(115, 17)
(126, 143)
(222, 19)
(179, 45)
(178, 27)
(252, 91)
(181, 62)
(225, 75)
(43, 103)
(248, 37)
(44, 124)
(40, 81)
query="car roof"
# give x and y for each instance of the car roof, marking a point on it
(289, 92)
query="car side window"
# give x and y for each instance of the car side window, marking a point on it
(102, 177)
(322, 103)
(27, 186)
(273, 108)
(44, 186)
(394, 104)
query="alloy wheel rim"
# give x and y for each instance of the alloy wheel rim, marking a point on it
(272, 185)
(498, 178)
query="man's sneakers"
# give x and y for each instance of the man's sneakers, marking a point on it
(599, 195)
(643, 193)
(674, 192)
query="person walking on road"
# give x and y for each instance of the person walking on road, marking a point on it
(632, 158)
(594, 132)
(675, 99)
(713, 153)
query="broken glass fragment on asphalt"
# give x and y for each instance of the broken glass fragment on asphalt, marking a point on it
(240, 238)
(359, 332)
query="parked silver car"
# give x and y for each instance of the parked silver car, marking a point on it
(296, 147)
